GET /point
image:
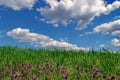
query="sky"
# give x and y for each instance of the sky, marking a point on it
(64, 24)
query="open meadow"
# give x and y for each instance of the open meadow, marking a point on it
(30, 64)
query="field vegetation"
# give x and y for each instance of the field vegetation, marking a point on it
(39, 64)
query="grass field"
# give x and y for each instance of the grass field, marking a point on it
(29, 64)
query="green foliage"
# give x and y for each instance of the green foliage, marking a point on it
(78, 65)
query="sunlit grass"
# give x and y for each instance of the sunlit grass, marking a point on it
(30, 64)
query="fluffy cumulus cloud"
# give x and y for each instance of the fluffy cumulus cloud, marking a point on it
(116, 33)
(18, 4)
(42, 41)
(112, 28)
(115, 42)
(80, 11)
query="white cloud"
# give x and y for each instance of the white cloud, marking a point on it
(80, 11)
(116, 17)
(42, 41)
(116, 33)
(64, 39)
(18, 4)
(115, 42)
(111, 7)
(110, 27)
(102, 46)
(86, 33)
(81, 35)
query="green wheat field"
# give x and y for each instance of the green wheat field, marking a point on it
(39, 64)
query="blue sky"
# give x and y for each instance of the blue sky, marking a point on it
(60, 24)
